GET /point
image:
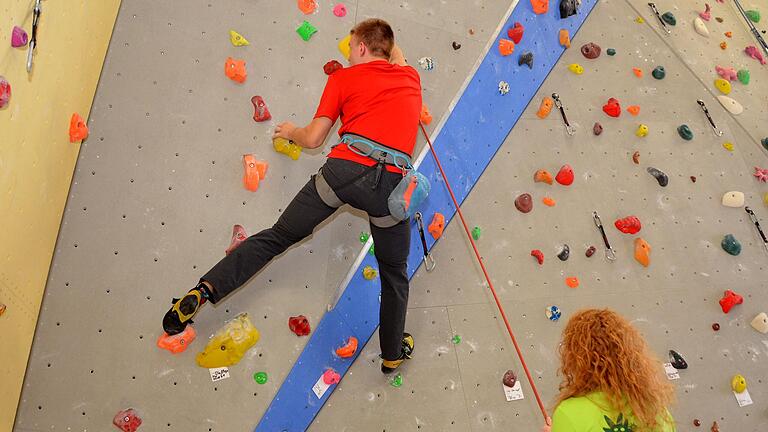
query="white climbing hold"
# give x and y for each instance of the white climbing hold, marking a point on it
(760, 323)
(700, 27)
(503, 87)
(426, 63)
(733, 199)
(731, 105)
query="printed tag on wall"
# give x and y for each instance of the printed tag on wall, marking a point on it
(320, 387)
(671, 372)
(218, 374)
(743, 398)
(513, 393)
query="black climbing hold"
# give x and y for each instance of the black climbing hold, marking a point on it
(526, 58)
(764, 142)
(568, 8)
(685, 132)
(564, 253)
(659, 72)
(669, 18)
(456, 45)
(677, 361)
(659, 176)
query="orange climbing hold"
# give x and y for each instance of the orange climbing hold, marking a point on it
(506, 47)
(572, 282)
(255, 171)
(542, 176)
(642, 252)
(178, 342)
(437, 225)
(723, 45)
(426, 116)
(634, 109)
(565, 38)
(728, 34)
(307, 6)
(78, 130)
(540, 6)
(545, 108)
(349, 349)
(235, 70)
(638, 72)
(549, 202)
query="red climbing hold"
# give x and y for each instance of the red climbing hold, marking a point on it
(516, 33)
(331, 67)
(729, 300)
(127, 420)
(524, 203)
(5, 91)
(539, 255)
(178, 342)
(565, 175)
(238, 236)
(590, 251)
(260, 110)
(628, 225)
(78, 130)
(331, 377)
(612, 108)
(299, 325)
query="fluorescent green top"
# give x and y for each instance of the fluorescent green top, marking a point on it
(588, 414)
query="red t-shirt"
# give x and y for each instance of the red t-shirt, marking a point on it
(378, 100)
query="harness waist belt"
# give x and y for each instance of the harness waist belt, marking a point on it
(378, 152)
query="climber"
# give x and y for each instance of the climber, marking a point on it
(378, 98)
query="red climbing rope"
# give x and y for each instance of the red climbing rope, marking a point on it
(485, 273)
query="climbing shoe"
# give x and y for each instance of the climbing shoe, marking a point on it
(182, 311)
(389, 366)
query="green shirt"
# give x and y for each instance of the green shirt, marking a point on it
(587, 414)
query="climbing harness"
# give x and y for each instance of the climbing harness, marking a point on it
(33, 40)
(754, 220)
(429, 261)
(718, 132)
(568, 128)
(755, 32)
(610, 254)
(656, 12)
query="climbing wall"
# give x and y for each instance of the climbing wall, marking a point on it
(158, 188)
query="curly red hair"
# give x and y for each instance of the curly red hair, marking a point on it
(602, 351)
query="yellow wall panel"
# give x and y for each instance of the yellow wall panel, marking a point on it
(37, 160)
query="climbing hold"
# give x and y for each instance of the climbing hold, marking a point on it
(78, 130)
(539, 255)
(565, 38)
(229, 344)
(369, 273)
(696, 422)
(127, 420)
(5, 92)
(568, 8)
(260, 377)
(565, 252)
(765, 199)
(700, 27)
(348, 349)
(545, 107)
(590, 251)
(707, 14)
(524, 203)
(685, 132)
(506, 47)
(307, 6)
(526, 58)
(427, 63)
(331, 377)
(659, 72)
(503, 87)
(659, 176)
(677, 361)
(726, 73)
(425, 116)
(237, 39)
(260, 110)
(509, 378)
(476, 232)
(723, 45)
(743, 76)
(19, 37)
(628, 225)
(728, 34)
(340, 10)
(669, 18)
(234, 69)
(731, 245)
(760, 323)
(565, 176)
(642, 130)
(634, 109)
(715, 326)
(612, 108)
(2, 309)
(456, 339)
(572, 282)
(553, 313)
(299, 325)
(288, 148)
(540, 6)
(693, 179)
(306, 30)
(343, 46)
(733, 199)
(516, 32)
(753, 15)
(549, 202)
(590, 50)
(331, 67)
(718, 19)
(397, 381)
(636, 157)
(761, 174)
(611, 52)
(723, 85)
(576, 68)
(728, 146)
(178, 342)
(542, 176)
(455, 45)
(597, 128)
(640, 20)
(642, 252)
(730, 105)
(754, 53)
(738, 384)
(715, 427)
(437, 225)
(238, 236)
(729, 300)
(638, 72)
(254, 171)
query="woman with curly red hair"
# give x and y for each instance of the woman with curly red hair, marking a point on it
(612, 382)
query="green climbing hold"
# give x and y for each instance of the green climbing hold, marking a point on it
(610, 52)
(753, 15)
(364, 236)
(743, 76)
(659, 72)
(685, 132)
(306, 30)
(456, 339)
(397, 381)
(260, 377)
(669, 18)
(731, 245)
(476, 232)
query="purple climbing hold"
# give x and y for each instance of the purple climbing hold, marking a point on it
(19, 37)
(591, 50)
(509, 379)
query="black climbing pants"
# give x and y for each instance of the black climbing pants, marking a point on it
(353, 183)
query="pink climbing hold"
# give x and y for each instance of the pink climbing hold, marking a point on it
(706, 15)
(340, 10)
(127, 420)
(761, 174)
(19, 37)
(238, 236)
(331, 377)
(565, 175)
(539, 255)
(754, 53)
(612, 108)
(5, 92)
(516, 33)
(727, 73)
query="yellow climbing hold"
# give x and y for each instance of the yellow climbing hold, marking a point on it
(229, 344)
(237, 39)
(369, 273)
(344, 46)
(765, 199)
(723, 85)
(728, 146)
(642, 130)
(576, 68)
(639, 20)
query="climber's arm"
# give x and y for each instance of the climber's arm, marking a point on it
(310, 136)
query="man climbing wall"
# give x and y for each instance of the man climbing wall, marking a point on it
(379, 101)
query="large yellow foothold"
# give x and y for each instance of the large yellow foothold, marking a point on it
(642, 130)
(576, 68)
(723, 85)
(344, 46)
(288, 148)
(229, 344)
(237, 39)
(738, 384)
